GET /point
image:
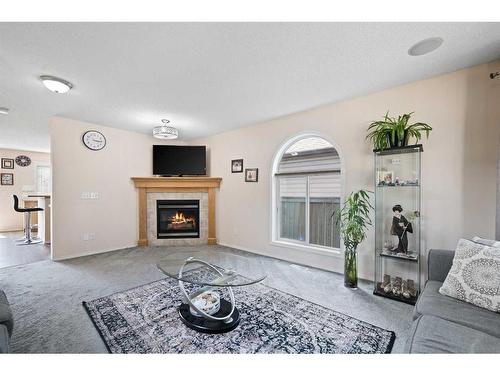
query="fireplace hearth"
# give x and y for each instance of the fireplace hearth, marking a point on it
(178, 218)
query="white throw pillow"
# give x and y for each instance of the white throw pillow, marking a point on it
(474, 276)
(485, 241)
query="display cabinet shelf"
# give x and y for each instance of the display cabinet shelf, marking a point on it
(380, 292)
(411, 257)
(397, 222)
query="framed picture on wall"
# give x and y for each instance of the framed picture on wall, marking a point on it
(237, 166)
(251, 174)
(7, 163)
(7, 178)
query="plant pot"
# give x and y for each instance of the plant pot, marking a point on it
(390, 143)
(402, 142)
(398, 142)
(351, 268)
(405, 138)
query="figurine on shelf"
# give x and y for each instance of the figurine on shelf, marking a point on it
(397, 286)
(386, 285)
(409, 290)
(400, 227)
(388, 245)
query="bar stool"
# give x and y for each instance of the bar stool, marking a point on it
(27, 222)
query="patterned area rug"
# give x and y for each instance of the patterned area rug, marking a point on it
(145, 320)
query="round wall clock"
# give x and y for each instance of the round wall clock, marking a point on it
(94, 140)
(23, 161)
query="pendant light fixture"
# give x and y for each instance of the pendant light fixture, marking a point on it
(165, 131)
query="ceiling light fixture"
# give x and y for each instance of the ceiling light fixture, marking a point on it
(425, 46)
(4, 111)
(57, 85)
(165, 131)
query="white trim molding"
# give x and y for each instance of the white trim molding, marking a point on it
(275, 240)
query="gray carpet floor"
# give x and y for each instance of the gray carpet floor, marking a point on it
(46, 296)
(12, 255)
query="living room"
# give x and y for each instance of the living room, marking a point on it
(250, 188)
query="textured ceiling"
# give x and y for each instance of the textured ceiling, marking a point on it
(208, 78)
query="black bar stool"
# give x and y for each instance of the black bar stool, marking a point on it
(27, 222)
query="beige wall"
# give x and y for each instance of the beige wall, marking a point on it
(459, 162)
(76, 169)
(459, 170)
(23, 176)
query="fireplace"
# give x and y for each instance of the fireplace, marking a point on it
(178, 219)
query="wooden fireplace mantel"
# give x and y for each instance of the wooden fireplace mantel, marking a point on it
(146, 185)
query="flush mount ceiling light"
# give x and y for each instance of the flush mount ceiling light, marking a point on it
(57, 85)
(165, 131)
(4, 111)
(425, 46)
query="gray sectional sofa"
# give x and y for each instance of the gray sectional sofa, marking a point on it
(6, 323)
(445, 325)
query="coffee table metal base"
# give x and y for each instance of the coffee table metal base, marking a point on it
(202, 324)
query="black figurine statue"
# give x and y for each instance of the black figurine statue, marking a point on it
(400, 227)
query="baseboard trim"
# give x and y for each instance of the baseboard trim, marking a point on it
(292, 261)
(361, 276)
(11, 230)
(268, 255)
(92, 252)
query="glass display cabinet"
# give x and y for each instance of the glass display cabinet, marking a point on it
(397, 223)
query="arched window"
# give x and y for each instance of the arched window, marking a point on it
(307, 187)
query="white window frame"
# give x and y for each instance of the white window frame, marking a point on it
(305, 246)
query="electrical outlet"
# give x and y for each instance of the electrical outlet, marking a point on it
(396, 161)
(85, 236)
(91, 236)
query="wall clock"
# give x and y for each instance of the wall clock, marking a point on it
(23, 161)
(94, 140)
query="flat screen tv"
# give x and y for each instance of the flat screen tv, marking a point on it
(179, 160)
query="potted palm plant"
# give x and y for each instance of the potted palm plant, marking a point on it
(396, 132)
(353, 219)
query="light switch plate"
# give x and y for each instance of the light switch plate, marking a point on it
(89, 195)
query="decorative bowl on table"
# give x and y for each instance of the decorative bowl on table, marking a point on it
(208, 302)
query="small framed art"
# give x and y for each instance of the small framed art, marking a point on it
(7, 163)
(251, 174)
(237, 166)
(7, 178)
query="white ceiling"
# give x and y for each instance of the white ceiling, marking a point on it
(208, 78)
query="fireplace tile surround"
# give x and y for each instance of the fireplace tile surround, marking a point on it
(152, 219)
(151, 189)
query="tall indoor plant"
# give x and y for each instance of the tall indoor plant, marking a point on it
(353, 219)
(396, 132)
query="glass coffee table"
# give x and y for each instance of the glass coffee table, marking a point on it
(206, 281)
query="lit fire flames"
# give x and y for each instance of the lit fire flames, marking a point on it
(179, 218)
